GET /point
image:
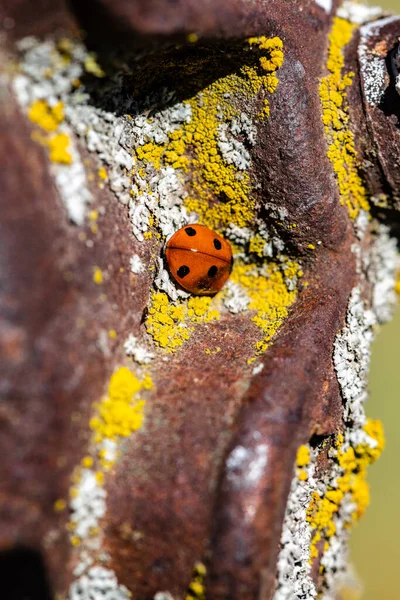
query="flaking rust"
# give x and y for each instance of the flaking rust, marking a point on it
(162, 445)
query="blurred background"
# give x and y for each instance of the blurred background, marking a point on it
(375, 544)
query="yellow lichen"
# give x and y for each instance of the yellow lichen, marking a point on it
(45, 116)
(352, 482)
(120, 412)
(118, 415)
(303, 475)
(92, 66)
(49, 119)
(169, 323)
(59, 505)
(151, 153)
(100, 478)
(75, 540)
(257, 244)
(192, 38)
(102, 173)
(87, 462)
(374, 429)
(303, 456)
(214, 351)
(97, 275)
(58, 152)
(274, 46)
(397, 284)
(341, 150)
(197, 589)
(269, 294)
(220, 193)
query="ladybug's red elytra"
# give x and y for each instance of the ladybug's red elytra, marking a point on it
(199, 259)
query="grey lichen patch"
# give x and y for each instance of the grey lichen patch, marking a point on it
(98, 583)
(138, 351)
(44, 78)
(352, 351)
(234, 150)
(51, 73)
(359, 13)
(382, 265)
(293, 567)
(373, 66)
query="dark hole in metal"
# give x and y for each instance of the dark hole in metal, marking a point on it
(23, 575)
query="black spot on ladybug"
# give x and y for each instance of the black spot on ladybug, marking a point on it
(212, 271)
(183, 271)
(217, 244)
(190, 231)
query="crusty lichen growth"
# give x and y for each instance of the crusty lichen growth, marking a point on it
(217, 174)
(189, 162)
(169, 323)
(119, 414)
(350, 485)
(323, 504)
(341, 151)
(269, 294)
(47, 117)
(215, 165)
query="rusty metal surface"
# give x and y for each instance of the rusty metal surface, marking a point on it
(52, 368)
(215, 19)
(276, 418)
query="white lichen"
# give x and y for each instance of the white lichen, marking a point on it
(232, 150)
(71, 182)
(109, 450)
(137, 351)
(257, 369)
(32, 84)
(235, 298)
(325, 4)
(88, 505)
(351, 356)
(359, 13)
(373, 67)
(294, 579)
(239, 235)
(382, 266)
(112, 139)
(98, 583)
(361, 223)
(136, 264)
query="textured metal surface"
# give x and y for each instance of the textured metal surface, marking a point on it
(277, 416)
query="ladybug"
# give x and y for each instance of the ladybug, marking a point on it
(199, 259)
